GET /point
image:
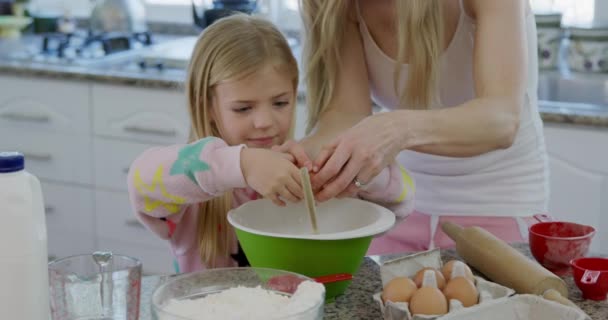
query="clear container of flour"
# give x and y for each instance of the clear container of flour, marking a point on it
(239, 293)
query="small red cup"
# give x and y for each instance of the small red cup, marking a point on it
(591, 277)
(554, 244)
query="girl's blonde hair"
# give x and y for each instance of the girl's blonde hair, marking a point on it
(231, 48)
(419, 38)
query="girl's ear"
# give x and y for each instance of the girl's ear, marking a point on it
(212, 110)
(212, 115)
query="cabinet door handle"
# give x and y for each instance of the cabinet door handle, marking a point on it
(38, 156)
(38, 118)
(134, 223)
(49, 210)
(154, 131)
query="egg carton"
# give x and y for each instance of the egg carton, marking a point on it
(521, 306)
(408, 267)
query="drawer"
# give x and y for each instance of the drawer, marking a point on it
(68, 208)
(63, 244)
(44, 105)
(114, 219)
(53, 156)
(112, 161)
(155, 116)
(154, 261)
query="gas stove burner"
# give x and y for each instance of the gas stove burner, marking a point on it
(89, 46)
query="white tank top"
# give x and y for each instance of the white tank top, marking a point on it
(509, 182)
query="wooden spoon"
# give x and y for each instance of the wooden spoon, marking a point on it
(310, 200)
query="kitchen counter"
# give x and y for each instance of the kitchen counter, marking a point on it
(127, 72)
(122, 70)
(357, 302)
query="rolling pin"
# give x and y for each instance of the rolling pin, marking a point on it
(504, 265)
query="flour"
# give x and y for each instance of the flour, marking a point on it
(250, 303)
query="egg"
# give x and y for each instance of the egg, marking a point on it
(463, 290)
(429, 301)
(447, 270)
(399, 289)
(438, 276)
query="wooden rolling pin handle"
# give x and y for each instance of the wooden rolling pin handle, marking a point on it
(453, 230)
(554, 295)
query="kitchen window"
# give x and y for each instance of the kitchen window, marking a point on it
(286, 11)
(282, 12)
(575, 12)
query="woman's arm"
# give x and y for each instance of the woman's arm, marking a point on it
(488, 122)
(351, 101)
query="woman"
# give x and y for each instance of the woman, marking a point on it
(459, 78)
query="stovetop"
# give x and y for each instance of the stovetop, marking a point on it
(82, 48)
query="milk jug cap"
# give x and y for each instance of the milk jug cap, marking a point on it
(11, 161)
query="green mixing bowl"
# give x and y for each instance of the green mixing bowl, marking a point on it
(282, 238)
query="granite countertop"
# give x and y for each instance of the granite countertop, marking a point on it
(357, 301)
(127, 72)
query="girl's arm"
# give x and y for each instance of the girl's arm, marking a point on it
(164, 181)
(393, 188)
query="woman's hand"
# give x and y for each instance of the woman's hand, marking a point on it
(272, 174)
(360, 153)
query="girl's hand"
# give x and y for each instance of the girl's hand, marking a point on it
(360, 153)
(296, 150)
(271, 174)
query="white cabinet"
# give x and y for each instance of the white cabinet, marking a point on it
(79, 138)
(578, 162)
(127, 121)
(44, 105)
(53, 156)
(157, 116)
(69, 219)
(116, 220)
(49, 121)
(68, 207)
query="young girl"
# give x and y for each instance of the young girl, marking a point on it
(241, 91)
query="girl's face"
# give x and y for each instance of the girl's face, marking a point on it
(256, 110)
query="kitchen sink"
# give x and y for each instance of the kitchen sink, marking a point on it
(573, 90)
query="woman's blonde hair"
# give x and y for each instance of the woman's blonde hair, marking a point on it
(419, 38)
(231, 48)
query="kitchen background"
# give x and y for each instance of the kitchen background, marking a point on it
(81, 107)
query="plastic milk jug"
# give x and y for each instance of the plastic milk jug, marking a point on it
(24, 286)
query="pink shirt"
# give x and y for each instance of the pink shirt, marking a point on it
(167, 184)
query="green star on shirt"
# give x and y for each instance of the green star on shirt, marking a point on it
(188, 161)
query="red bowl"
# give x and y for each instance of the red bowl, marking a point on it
(591, 276)
(554, 244)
